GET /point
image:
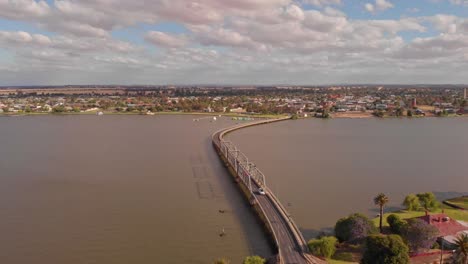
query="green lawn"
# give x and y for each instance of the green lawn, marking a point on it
(403, 214)
(460, 201)
(332, 261)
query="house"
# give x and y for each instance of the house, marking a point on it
(381, 106)
(238, 110)
(448, 228)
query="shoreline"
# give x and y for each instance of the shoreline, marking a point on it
(269, 116)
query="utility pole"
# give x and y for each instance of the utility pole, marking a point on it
(441, 250)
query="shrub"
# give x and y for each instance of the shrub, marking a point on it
(396, 224)
(379, 113)
(254, 260)
(324, 247)
(354, 228)
(380, 249)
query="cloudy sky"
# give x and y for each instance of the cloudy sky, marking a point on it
(233, 41)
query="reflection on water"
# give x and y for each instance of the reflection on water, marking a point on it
(326, 169)
(119, 189)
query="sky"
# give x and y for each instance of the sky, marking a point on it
(233, 42)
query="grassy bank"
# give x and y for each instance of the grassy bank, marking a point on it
(333, 261)
(460, 202)
(403, 214)
(271, 116)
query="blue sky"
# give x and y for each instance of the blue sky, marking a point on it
(233, 42)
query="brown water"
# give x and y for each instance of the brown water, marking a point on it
(326, 169)
(119, 189)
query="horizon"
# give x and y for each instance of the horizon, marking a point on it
(352, 85)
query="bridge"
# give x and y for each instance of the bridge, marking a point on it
(290, 245)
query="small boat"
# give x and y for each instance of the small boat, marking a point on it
(100, 113)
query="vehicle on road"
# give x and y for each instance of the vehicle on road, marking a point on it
(261, 191)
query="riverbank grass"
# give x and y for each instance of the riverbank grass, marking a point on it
(334, 261)
(403, 214)
(460, 201)
(94, 112)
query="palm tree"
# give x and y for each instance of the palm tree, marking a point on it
(461, 243)
(381, 200)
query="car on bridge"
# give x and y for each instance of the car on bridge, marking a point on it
(261, 191)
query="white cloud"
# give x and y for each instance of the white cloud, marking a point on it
(459, 2)
(22, 38)
(247, 40)
(379, 5)
(323, 2)
(383, 4)
(165, 40)
(369, 7)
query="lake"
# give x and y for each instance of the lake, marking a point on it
(323, 170)
(119, 189)
(151, 189)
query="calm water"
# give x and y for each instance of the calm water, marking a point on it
(118, 189)
(326, 169)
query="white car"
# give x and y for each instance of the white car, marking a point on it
(261, 191)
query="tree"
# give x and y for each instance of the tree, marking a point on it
(396, 224)
(324, 247)
(354, 228)
(379, 113)
(411, 202)
(381, 200)
(58, 109)
(428, 201)
(419, 235)
(254, 260)
(461, 244)
(399, 111)
(380, 249)
(409, 113)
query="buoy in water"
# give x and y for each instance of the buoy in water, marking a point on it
(222, 233)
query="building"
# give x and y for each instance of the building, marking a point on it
(381, 106)
(448, 228)
(413, 103)
(238, 110)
